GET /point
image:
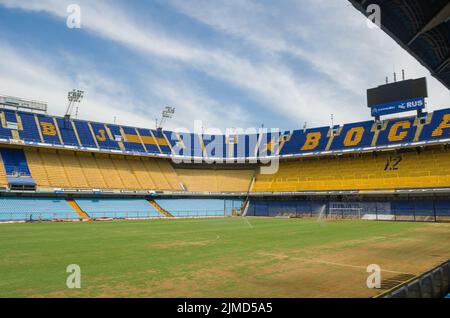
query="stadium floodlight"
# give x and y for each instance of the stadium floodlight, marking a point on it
(74, 96)
(166, 114)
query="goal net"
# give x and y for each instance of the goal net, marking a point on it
(345, 212)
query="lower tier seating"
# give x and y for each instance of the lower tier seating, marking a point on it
(28, 208)
(117, 208)
(199, 207)
(413, 209)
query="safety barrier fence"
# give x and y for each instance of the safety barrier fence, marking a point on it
(434, 283)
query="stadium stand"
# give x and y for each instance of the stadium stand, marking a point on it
(85, 135)
(430, 168)
(16, 169)
(199, 207)
(383, 209)
(27, 208)
(59, 155)
(29, 131)
(52, 168)
(212, 180)
(284, 207)
(32, 128)
(49, 129)
(14, 162)
(103, 136)
(360, 134)
(67, 131)
(117, 208)
(8, 117)
(3, 178)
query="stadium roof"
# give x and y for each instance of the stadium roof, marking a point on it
(422, 27)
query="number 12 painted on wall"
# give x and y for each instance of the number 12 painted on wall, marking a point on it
(392, 163)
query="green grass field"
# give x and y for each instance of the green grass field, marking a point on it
(228, 257)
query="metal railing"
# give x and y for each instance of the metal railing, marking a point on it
(434, 283)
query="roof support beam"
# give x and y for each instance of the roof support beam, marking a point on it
(442, 65)
(442, 16)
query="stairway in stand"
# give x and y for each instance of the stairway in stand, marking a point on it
(160, 209)
(77, 209)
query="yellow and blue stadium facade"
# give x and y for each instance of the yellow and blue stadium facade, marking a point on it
(58, 168)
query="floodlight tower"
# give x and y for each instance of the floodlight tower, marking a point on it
(74, 96)
(166, 114)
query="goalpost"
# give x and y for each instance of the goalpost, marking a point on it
(345, 213)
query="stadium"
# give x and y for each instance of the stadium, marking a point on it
(151, 212)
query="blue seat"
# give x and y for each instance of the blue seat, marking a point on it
(214, 145)
(278, 207)
(161, 140)
(67, 132)
(130, 134)
(29, 208)
(103, 139)
(182, 143)
(48, 129)
(298, 141)
(350, 132)
(433, 131)
(85, 134)
(194, 207)
(10, 116)
(30, 130)
(15, 162)
(117, 208)
(149, 141)
(404, 134)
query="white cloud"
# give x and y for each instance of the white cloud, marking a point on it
(327, 37)
(33, 76)
(268, 81)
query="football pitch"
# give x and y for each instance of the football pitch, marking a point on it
(223, 257)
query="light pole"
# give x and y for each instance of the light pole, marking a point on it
(74, 96)
(166, 114)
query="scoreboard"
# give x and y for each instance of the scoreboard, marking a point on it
(397, 97)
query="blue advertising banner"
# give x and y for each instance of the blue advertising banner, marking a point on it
(398, 107)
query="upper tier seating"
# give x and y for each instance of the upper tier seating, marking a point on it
(49, 129)
(85, 134)
(103, 136)
(132, 141)
(67, 132)
(118, 208)
(8, 116)
(30, 127)
(30, 130)
(27, 208)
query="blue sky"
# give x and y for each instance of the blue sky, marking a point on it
(229, 63)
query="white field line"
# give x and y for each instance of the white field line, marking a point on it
(329, 263)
